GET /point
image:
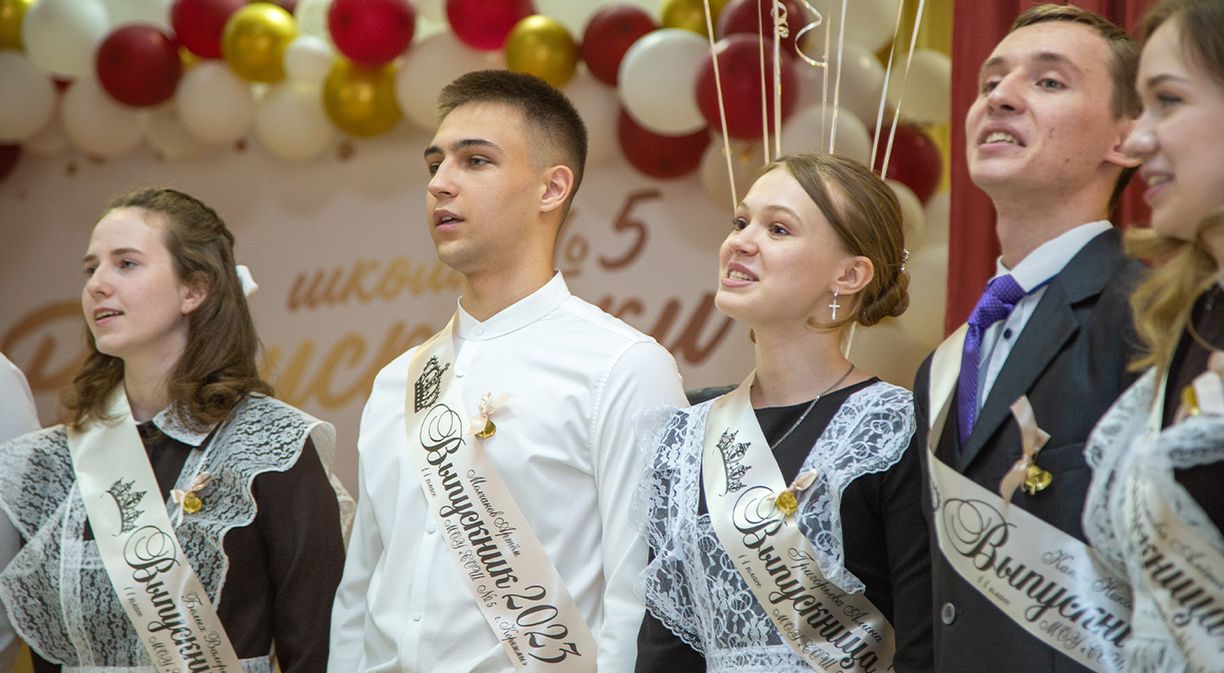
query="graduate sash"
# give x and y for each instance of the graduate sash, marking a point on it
(751, 510)
(1184, 573)
(156, 585)
(505, 567)
(1051, 584)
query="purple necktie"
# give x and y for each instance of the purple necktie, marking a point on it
(996, 304)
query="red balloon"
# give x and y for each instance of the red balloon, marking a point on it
(9, 154)
(739, 17)
(484, 24)
(371, 32)
(660, 156)
(138, 65)
(739, 65)
(199, 24)
(609, 34)
(914, 162)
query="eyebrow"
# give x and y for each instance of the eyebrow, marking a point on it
(1155, 80)
(1044, 57)
(113, 253)
(462, 144)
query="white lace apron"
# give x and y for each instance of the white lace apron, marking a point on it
(56, 589)
(692, 586)
(1122, 449)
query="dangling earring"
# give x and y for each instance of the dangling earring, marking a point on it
(835, 305)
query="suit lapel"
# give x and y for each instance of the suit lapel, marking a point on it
(1052, 324)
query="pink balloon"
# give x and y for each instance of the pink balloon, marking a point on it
(371, 32)
(484, 24)
(138, 65)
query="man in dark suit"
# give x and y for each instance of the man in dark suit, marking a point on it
(1044, 141)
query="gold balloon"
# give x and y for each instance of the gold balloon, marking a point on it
(254, 42)
(690, 14)
(11, 13)
(361, 101)
(539, 45)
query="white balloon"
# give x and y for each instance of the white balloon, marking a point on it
(747, 158)
(165, 133)
(808, 131)
(928, 290)
(928, 89)
(60, 36)
(311, 17)
(28, 95)
(573, 14)
(887, 351)
(51, 141)
(912, 214)
(428, 67)
(96, 123)
(434, 10)
(599, 107)
(868, 22)
(938, 212)
(214, 104)
(308, 59)
(122, 12)
(658, 81)
(291, 122)
(862, 82)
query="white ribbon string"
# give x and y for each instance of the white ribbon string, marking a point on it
(249, 286)
(722, 109)
(892, 131)
(764, 92)
(892, 49)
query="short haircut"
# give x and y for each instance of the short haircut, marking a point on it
(548, 113)
(1123, 69)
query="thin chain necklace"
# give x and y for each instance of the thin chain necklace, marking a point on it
(810, 406)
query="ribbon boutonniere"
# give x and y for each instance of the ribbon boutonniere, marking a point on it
(482, 424)
(787, 501)
(189, 500)
(1204, 396)
(1026, 472)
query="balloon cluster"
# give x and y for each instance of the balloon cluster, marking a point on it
(185, 74)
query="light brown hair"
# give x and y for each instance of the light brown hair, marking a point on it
(866, 216)
(217, 368)
(549, 115)
(1123, 68)
(1185, 269)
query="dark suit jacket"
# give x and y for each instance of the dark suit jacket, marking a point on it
(1071, 360)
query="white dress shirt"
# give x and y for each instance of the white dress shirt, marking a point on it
(1033, 271)
(573, 377)
(18, 416)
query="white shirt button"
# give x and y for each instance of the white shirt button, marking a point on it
(416, 616)
(459, 373)
(431, 527)
(479, 331)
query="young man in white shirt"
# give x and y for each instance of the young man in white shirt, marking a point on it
(1044, 140)
(560, 381)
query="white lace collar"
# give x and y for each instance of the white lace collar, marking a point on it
(168, 422)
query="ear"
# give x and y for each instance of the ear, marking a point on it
(558, 185)
(193, 294)
(1116, 154)
(856, 273)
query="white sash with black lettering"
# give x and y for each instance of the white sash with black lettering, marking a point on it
(161, 594)
(830, 629)
(1048, 582)
(513, 581)
(1184, 573)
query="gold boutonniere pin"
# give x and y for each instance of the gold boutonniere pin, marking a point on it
(482, 425)
(787, 501)
(189, 500)
(1026, 472)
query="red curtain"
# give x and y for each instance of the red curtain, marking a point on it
(972, 248)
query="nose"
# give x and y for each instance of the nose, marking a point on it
(1141, 142)
(440, 183)
(742, 242)
(1006, 95)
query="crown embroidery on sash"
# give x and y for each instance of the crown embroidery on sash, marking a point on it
(126, 499)
(429, 386)
(733, 457)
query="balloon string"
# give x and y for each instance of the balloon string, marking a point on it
(849, 343)
(821, 63)
(781, 30)
(892, 132)
(892, 49)
(764, 94)
(722, 108)
(841, 49)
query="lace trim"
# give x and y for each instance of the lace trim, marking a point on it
(691, 585)
(56, 589)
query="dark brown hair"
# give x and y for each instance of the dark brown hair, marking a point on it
(1185, 269)
(551, 116)
(1122, 69)
(217, 367)
(866, 216)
